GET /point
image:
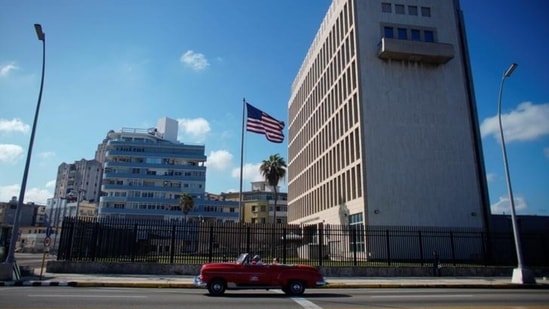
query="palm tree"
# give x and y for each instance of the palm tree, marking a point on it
(273, 170)
(186, 203)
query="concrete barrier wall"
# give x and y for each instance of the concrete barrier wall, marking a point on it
(182, 269)
(121, 268)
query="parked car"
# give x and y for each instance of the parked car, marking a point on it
(243, 274)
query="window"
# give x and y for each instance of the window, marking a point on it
(415, 35)
(412, 10)
(425, 11)
(429, 36)
(399, 8)
(402, 34)
(388, 32)
(386, 7)
(357, 233)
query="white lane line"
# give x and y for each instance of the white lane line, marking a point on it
(301, 301)
(85, 296)
(305, 303)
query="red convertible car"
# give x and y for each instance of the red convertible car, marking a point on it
(243, 274)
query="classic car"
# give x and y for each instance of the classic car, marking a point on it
(243, 274)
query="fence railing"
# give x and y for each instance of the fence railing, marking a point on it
(122, 240)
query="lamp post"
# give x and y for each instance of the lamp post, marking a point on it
(78, 199)
(76, 219)
(14, 234)
(521, 274)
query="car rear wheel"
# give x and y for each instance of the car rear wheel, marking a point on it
(295, 288)
(216, 287)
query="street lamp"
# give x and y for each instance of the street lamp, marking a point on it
(10, 258)
(76, 218)
(521, 274)
(78, 198)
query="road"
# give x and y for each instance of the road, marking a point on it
(106, 298)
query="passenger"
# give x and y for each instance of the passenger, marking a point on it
(256, 260)
(276, 261)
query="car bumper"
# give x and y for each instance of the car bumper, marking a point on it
(197, 281)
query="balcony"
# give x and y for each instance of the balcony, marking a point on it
(427, 52)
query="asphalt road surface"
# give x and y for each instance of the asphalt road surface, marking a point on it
(137, 298)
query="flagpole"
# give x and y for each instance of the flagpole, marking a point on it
(241, 219)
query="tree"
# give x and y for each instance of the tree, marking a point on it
(186, 203)
(273, 170)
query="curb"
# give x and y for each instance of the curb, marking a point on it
(37, 283)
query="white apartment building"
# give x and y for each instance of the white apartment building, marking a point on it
(383, 127)
(146, 171)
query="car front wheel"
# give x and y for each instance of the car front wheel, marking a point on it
(216, 287)
(295, 288)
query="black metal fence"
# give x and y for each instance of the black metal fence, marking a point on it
(121, 240)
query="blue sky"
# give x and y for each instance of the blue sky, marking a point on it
(115, 64)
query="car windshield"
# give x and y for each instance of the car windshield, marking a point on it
(242, 258)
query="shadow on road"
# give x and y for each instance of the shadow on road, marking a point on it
(278, 294)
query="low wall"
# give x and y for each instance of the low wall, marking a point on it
(183, 269)
(121, 268)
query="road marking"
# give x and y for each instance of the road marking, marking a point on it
(301, 301)
(305, 303)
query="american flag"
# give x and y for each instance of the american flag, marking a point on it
(261, 123)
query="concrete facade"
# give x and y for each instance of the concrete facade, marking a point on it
(382, 120)
(79, 180)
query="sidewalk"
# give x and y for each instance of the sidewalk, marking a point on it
(176, 281)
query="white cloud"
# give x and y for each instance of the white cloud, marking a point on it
(219, 160)
(46, 154)
(490, 177)
(7, 192)
(504, 207)
(250, 172)
(34, 195)
(37, 196)
(197, 128)
(50, 184)
(7, 68)
(195, 61)
(10, 153)
(527, 122)
(14, 125)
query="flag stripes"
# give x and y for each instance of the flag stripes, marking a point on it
(262, 123)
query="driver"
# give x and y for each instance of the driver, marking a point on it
(256, 260)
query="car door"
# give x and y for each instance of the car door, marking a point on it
(258, 274)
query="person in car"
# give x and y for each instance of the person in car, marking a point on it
(256, 260)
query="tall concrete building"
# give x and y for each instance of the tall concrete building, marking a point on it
(79, 180)
(383, 127)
